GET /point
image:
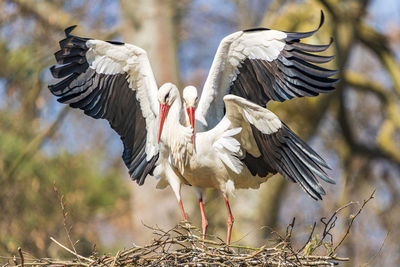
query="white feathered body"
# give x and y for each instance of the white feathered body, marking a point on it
(216, 160)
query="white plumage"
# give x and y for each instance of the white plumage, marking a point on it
(245, 143)
(232, 51)
(238, 144)
(114, 81)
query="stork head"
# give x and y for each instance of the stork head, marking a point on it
(190, 101)
(167, 94)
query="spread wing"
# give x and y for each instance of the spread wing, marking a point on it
(112, 81)
(269, 146)
(262, 65)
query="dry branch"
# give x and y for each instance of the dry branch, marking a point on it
(183, 246)
(353, 217)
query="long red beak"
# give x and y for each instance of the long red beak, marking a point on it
(190, 112)
(163, 111)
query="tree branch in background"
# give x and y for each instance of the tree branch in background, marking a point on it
(379, 44)
(356, 146)
(36, 143)
(391, 122)
(47, 13)
(53, 17)
(361, 83)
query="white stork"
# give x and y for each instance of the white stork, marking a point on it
(245, 143)
(114, 81)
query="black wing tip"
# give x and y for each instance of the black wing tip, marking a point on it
(55, 71)
(115, 42)
(318, 197)
(291, 36)
(145, 170)
(139, 180)
(318, 160)
(330, 181)
(315, 193)
(333, 73)
(335, 80)
(322, 20)
(256, 29)
(69, 30)
(51, 87)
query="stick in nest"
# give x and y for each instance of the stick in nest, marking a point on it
(183, 246)
(65, 213)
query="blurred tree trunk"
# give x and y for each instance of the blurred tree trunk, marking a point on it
(152, 25)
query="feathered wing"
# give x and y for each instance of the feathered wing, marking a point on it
(112, 81)
(271, 147)
(261, 65)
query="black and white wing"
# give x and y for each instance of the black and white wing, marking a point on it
(268, 146)
(261, 65)
(112, 81)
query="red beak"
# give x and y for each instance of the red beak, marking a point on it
(163, 113)
(190, 112)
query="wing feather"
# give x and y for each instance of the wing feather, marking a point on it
(262, 65)
(112, 81)
(279, 150)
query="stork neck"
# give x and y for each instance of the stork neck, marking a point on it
(172, 123)
(174, 113)
(177, 136)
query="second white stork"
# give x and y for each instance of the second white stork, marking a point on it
(248, 143)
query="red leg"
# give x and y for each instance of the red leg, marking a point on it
(182, 210)
(204, 222)
(229, 222)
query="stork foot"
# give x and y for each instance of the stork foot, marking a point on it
(230, 222)
(182, 210)
(204, 222)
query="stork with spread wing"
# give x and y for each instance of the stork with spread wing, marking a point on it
(114, 81)
(246, 143)
(239, 143)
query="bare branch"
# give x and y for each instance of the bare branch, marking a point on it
(353, 217)
(64, 213)
(21, 256)
(72, 252)
(377, 253)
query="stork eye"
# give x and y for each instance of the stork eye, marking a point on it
(166, 96)
(197, 98)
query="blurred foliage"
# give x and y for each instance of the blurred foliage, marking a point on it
(30, 210)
